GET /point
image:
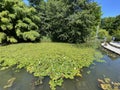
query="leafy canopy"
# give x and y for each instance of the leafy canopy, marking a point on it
(17, 20)
(68, 20)
(112, 25)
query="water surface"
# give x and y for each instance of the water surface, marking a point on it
(24, 80)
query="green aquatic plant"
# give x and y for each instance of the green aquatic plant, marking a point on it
(56, 60)
(88, 72)
(38, 81)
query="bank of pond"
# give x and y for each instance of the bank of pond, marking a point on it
(19, 76)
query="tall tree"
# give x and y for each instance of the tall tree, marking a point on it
(111, 23)
(69, 20)
(116, 27)
(18, 22)
(107, 23)
(116, 23)
(72, 20)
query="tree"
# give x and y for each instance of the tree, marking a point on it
(102, 34)
(116, 23)
(116, 27)
(116, 34)
(107, 23)
(18, 22)
(70, 20)
(112, 25)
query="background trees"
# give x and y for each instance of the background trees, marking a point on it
(68, 20)
(107, 23)
(63, 21)
(72, 21)
(112, 25)
(18, 22)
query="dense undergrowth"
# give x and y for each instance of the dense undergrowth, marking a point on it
(56, 60)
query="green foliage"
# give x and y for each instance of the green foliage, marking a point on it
(31, 35)
(5, 20)
(46, 39)
(109, 38)
(116, 34)
(116, 24)
(68, 21)
(11, 40)
(3, 37)
(56, 60)
(107, 24)
(16, 19)
(102, 34)
(65, 21)
(112, 25)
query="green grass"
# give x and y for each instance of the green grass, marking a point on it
(56, 60)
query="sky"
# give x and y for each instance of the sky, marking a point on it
(110, 8)
(26, 1)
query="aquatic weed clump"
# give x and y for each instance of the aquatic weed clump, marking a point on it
(56, 60)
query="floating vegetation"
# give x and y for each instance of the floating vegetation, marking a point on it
(38, 81)
(88, 72)
(10, 82)
(107, 84)
(4, 68)
(56, 60)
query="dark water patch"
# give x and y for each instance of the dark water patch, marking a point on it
(23, 80)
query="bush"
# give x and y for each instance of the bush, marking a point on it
(102, 34)
(18, 21)
(116, 34)
(31, 35)
(46, 39)
(11, 40)
(109, 38)
(3, 37)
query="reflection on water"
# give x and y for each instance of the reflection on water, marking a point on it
(24, 80)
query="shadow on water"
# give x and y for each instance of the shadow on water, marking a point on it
(24, 80)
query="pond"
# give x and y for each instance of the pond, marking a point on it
(24, 80)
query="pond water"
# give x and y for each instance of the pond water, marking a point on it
(24, 80)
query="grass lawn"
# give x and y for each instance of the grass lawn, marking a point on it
(56, 60)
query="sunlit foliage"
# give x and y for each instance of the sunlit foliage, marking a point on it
(17, 20)
(68, 20)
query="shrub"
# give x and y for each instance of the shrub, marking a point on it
(31, 35)
(3, 37)
(17, 20)
(102, 34)
(116, 34)
(109, 38)
(11, 40)
(46, 39)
